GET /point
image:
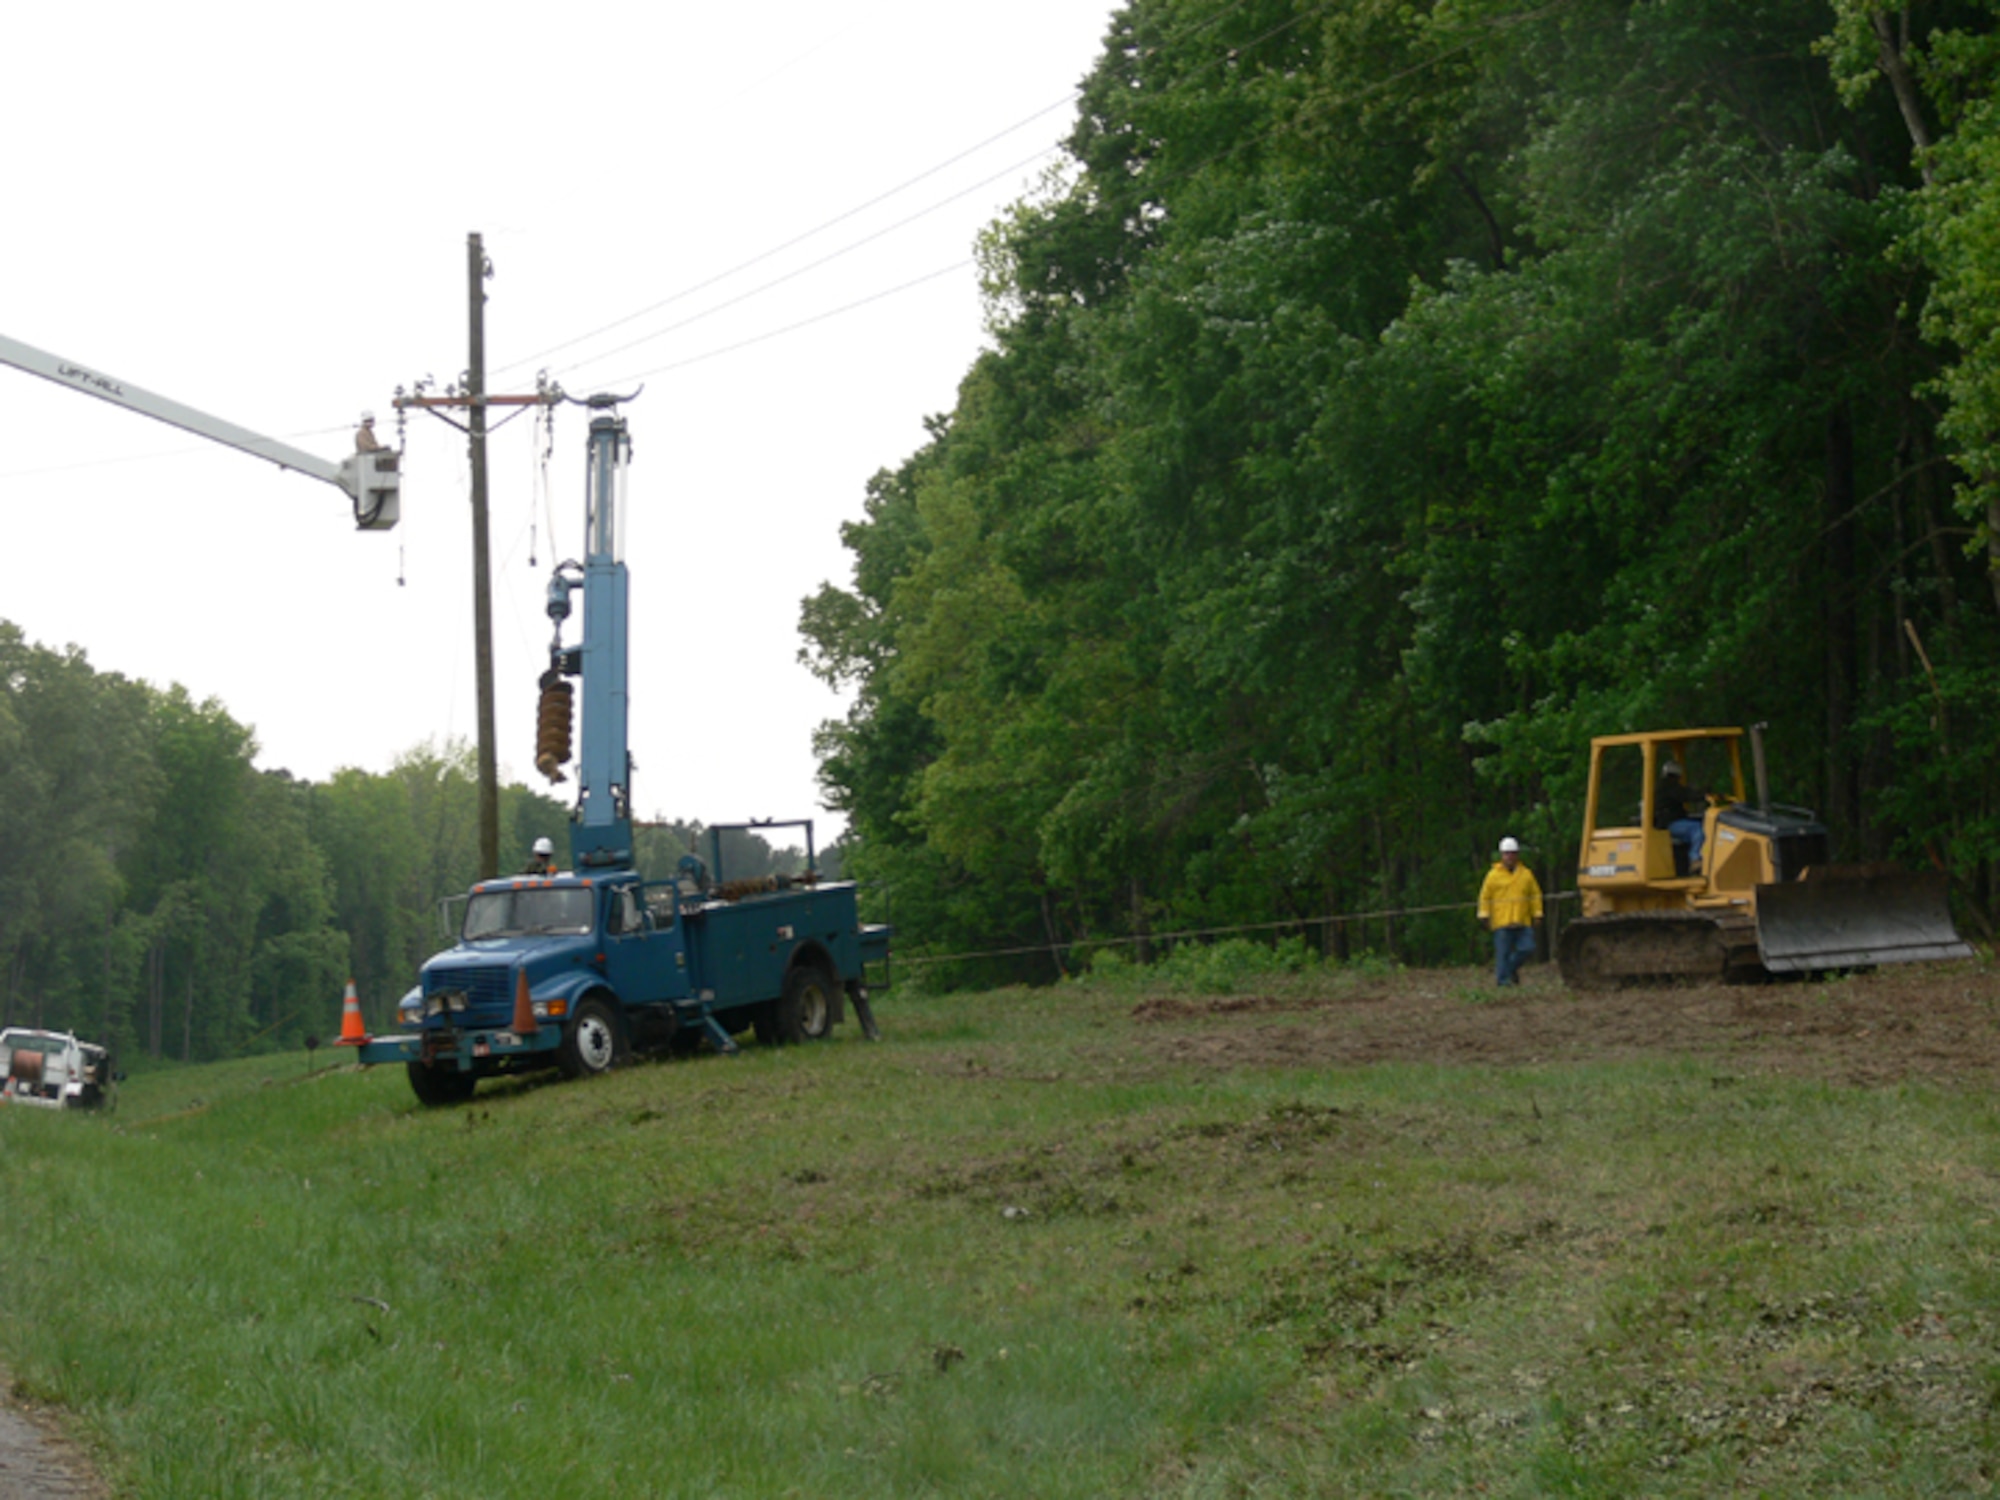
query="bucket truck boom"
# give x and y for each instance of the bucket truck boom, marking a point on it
(369, 478)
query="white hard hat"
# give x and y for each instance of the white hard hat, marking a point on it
(1672, 768)
(1509, 846)
(543, 846)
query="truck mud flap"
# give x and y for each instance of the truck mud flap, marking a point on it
(1855, 918)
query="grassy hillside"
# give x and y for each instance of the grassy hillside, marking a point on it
(1345, 1233)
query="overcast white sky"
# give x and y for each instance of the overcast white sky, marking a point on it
(262, 211)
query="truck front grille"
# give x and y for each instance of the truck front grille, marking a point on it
(483, 986)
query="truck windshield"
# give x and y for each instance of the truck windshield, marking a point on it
(494, 914)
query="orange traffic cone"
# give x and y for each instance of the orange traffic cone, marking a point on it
(525, 1023)
(352, 1032)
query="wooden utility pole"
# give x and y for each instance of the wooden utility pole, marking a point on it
(482, 578)
(477, 402)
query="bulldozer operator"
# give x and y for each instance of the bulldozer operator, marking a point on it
(1671, 804)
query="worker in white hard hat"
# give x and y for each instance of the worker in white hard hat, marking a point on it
(1510, 903)
(544, 862)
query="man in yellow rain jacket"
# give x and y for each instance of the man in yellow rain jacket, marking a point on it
(1510, 903)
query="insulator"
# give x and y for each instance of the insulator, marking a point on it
(552, 726)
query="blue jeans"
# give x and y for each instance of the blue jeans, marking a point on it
(1511, 947)
(1688, 831)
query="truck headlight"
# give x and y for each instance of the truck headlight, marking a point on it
(410, 1009)
(441, 1002)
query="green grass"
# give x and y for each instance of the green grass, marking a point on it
(1014, 1249)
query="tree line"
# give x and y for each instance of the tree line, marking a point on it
(162, 894)
(1384, 398)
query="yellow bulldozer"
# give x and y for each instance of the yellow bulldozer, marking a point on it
(1704, 884)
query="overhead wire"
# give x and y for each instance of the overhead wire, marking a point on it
(1186, 172)
(1214, 18)
(819, 317)
(796, 325)
(813, 265)
(1208, 22)
(941, 271)
(754, 84)
(798, 239)
(1194, 30)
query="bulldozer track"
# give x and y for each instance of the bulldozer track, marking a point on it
(1656, 947)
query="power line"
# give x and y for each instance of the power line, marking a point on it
(814, 265)
(832, 312)
(799, 239)
(918, 281)
(1185, 173)
(1192, 31)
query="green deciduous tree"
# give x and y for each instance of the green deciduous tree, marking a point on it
(1387, 399)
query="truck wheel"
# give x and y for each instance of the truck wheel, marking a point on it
(803, 1013)
(815, 1001)
(594, 1042)
(437, 1087)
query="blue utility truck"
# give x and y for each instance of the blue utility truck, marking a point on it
(574, 969)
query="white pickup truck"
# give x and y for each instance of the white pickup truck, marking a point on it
(54, 1070)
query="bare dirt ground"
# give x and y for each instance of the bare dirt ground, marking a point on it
(37, 1462)
(1926, 1022)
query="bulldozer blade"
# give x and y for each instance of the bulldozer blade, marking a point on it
(1855, 919)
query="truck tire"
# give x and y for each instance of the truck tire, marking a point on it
(594, 1040)
(437, 1087)
(803, 1013)
(816, 1001)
